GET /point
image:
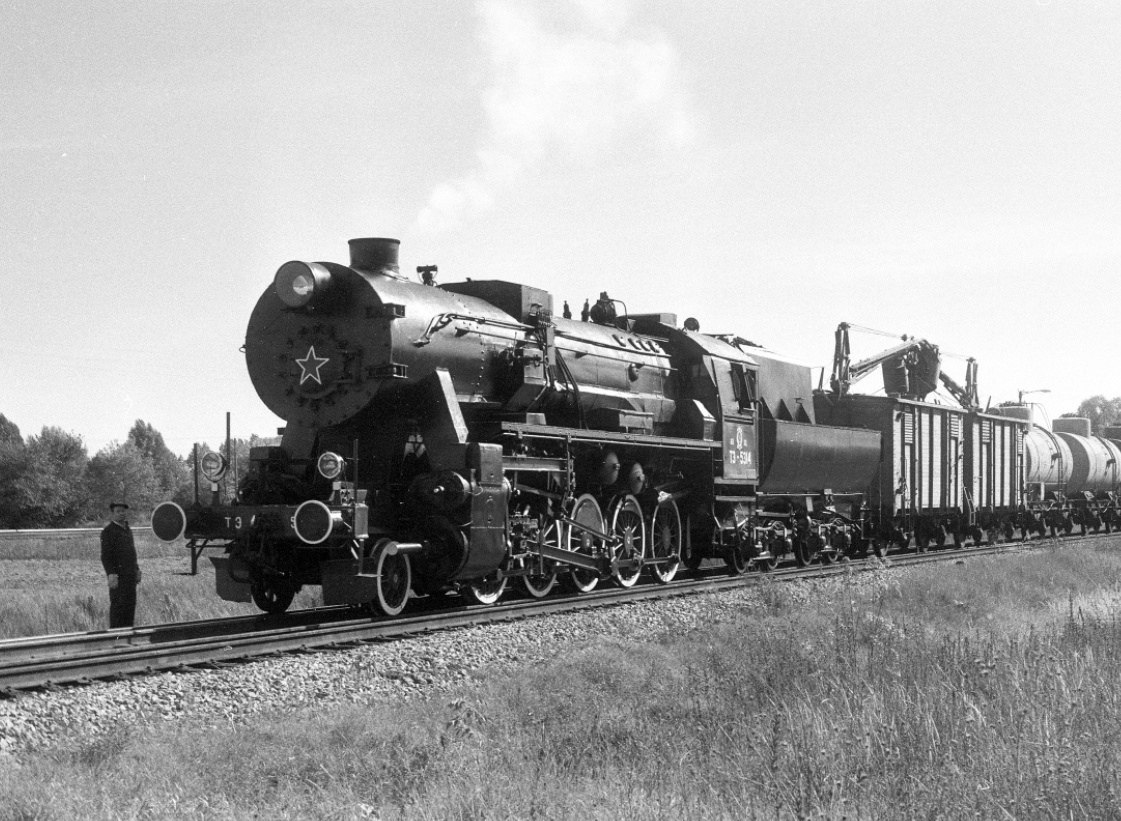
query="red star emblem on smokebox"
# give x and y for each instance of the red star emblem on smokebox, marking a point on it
(310, 365)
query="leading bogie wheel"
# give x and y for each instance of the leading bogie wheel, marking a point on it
(393, 579)
(665, 540)
(581, 537)
(628, 527)
(271, 593)
(538, 585)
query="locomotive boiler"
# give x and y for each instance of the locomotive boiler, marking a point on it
(454, 437)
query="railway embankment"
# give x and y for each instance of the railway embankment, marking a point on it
(974, 687)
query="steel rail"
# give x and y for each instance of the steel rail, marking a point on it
(48, 661)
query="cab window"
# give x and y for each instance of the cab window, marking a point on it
(743, 386)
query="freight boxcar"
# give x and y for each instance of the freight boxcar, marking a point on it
(920, 490)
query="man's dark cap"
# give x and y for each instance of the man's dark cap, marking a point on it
(117, 504)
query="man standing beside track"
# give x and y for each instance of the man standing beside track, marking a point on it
(118, 556)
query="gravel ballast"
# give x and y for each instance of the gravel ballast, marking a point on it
(417, 667)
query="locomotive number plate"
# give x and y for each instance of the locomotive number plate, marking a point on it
(739, 451)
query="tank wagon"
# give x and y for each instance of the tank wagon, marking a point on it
(1071, 477)
(454, 437)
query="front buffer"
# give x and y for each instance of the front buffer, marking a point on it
(271, 551)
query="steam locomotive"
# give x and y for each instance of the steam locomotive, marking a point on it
(456, 437)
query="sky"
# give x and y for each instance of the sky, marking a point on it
(948, 170)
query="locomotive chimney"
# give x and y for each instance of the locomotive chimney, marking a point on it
(376, 255)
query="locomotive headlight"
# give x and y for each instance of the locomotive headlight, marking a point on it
(330, 465)
(213, 466)
(300, 283)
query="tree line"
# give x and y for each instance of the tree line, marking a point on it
(50, 480)
(1100, 411)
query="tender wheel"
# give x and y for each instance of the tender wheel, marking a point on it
(738, 554)
(736, 559)
(587, 514)
(487, 590)
(539, 585)
(627, 525)
(394, 575)
(271, 593)
(665, 540)
(803, 552)
(766, 565)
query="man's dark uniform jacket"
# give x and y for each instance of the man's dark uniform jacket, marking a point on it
(118, 552)
(118, 555)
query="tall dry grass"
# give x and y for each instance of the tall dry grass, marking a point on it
(55, 584)
(985, 690)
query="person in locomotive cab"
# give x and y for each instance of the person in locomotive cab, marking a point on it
(118, 557)
(603, 312)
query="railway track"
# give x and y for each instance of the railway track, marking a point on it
(78, 658)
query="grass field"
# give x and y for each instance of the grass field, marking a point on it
(981, 690)
(57, 585)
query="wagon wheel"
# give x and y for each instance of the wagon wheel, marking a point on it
(539, 585)
(665, 540)
(486, 590)
(939, 536)
(585, 512)
(627, 525)
(393, 579)
(271, 593)
(924, 535)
